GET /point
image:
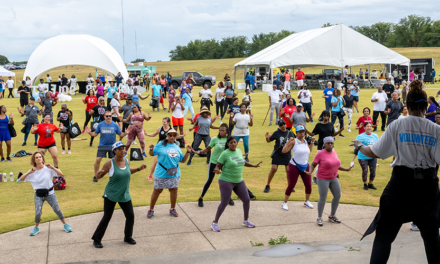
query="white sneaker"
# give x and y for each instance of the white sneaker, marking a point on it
(351, 164)
(349, 130)
(68, 152)
(63, 152)
(414, 227)
(221, 122)
(377, 164)
(284, 206)
(241, 140)
(134, 143)
(308, 204)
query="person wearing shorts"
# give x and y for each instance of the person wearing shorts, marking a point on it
(46, 141)
(126, 110)
(108, 130)
(65, 117)
(177, 108)
(299, 78)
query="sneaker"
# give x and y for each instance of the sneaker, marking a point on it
(371, 186)
(414, 227)
(134, 143)
(2, 160)
(267, 189)
(63, 152)
(97, 244)
(130, 241)
(18, 180)
(365, 187)
(67, 228)
(94, 179)
(173, 213)
(231, 202)
(189, 163)
(341, 135)
(35, 231)
(293, 190)
(308, 204)
(200, 202)
(270, 124)
(319, 221)
(314, 180)
(334, 219)
(150, 178)
(247, 159)
(312, 121)
(383, 129)
(351, 164)
(150, 213)
(214, 227)
(349, 130)
(35, 144)
(91, 145)
(285, 207)
(24, 144)
(8, 159)
(377, 164)
(68, 152)
(164, 109)
(248, 224)
(221, 122)
(143, 154)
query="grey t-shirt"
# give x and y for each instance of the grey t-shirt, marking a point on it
(396, 108)
(32, 113)
(126, 109)
(204, 124)
(47, 105)
(411, 140)
(299, 117)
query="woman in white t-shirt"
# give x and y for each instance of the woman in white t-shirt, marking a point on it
(90, 79)
(177, 108)
(40, 176)
(28, 81)
(404, 112)
(242, 122)
(205, 93)
(115, 105)
(305, 98)
(72, 81)
(220, 101)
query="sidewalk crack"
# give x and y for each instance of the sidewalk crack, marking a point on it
(48, 238)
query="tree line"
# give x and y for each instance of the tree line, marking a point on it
(410, 31)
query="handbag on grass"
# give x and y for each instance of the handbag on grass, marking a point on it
(136, 154)
(11, 129)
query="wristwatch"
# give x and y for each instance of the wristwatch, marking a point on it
(359, 146)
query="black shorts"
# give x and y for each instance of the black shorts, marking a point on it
(281, 159)
(103, 151)
(125, 126)
(48, 147)
(115, 119)
(24, 102)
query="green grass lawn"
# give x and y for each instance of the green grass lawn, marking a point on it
(82, 196)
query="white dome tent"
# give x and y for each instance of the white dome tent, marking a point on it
(67, 50)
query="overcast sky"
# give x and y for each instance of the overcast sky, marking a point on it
(162, 25)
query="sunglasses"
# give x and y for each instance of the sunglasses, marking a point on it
(108, 116)
(172, 135)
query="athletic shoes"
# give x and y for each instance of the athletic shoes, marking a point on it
(134, 143)
(91, 145)
(8, 159)
(68, 152)
(35, 144)
(334, 219)
(341, 135)
(267, 189)
(308, 204)
(248, 224)
(285, 207)
(143, 154)
(94, 179)
(173, 213)
(241, 140)
(24, 144)
(365, 187)
(314, 180)
(2, 160)
(247, 159)
(377, 164)
(231, 202)
(130, 241)
(351, 164)
(97, 244)
(150, 213)
(371, 186)
(349, 130)
(189, 163)
(293, 190)
(35, 231)
(214, 227)
(319, 221)
(200, 202)
(63, 152)
(150, 178)
(67, 228)
(414, 227)
(312, 121)
(221, 122)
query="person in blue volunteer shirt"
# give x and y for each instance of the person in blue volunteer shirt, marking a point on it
(337, 103)
(188, 102)
(110, 91)
(167, 172)
(108, 130)
(368, 139)
(355, 92)
(328, 94)
(252, 81)
(157, 92)
(248, 80)
(277, 82)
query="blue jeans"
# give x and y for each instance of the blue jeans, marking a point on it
(253, 86)
(245, 143)
(191, 110)
(308, 108)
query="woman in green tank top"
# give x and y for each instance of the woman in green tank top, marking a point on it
(117, 191)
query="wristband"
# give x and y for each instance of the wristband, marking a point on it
(139, 169)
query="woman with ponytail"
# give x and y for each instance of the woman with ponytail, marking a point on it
(414, 143)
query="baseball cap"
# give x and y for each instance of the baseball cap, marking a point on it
(299, 104)
(299, 128)
(129, 97)
(117, 145)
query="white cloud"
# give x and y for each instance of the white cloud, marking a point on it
(162, 25)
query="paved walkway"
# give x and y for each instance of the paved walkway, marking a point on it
(190, 232)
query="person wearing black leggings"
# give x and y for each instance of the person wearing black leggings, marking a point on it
(219, 100)
(90, 101)
(218, 143)
(231, 163)
(413, 141)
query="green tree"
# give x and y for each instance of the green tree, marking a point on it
(431, 38)
(3, 60)
(138, 60)
(410, 30)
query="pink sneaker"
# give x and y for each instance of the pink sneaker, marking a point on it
(63, 152)
(150, 178)
(68, 152)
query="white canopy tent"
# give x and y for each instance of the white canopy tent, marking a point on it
(331, 46)
(4, 72)
(67, 50)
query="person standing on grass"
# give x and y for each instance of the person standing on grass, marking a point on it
(380, 100)
(46, 142)
(253, 82)
(247, 80)
(287, 77)
(24, 92)
(163, 83)
(188, 103)
(40, 176)
(220, 101)
(366, 118)
(432, 108)
(368, 139)
(5, 135)
(32, 112)
(135, 96)
(230, 167)
(305, 98)
(243, 121)
(298, 165)
(232, 110)
(108, 130)
(65, 117)
(247, 100)
(97, 113)
(411, 76)
(229, 95)
(299, 116)
(355, 92)
(2, 87)
(393, 109)
(110, 91)
(41, 89)
(206, 94)
(299, 76)
(327, 94)
(156, 93)
(361, 74)
(218, 143)
(277, 82)
(405, 91)
(10, 86)
(167, 174)
(117, 191)
(337, 103)
(396, 76)
(398, 91)
(388, 89)
(136, 119)
(327, 178)
(433, 73)
(274, 103)
(287, 112)
(348, 100)
(281, 137)
(48, 103)
(171, 96)
(99, 89)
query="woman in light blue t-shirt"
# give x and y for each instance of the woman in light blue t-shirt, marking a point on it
(367, 138)
(337, 103)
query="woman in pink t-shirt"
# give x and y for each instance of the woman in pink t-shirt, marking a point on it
(329, 164)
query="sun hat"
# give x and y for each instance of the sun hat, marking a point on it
(299, 104)
(172, 130)
(117, 145)
(299, 128)
(205, 110)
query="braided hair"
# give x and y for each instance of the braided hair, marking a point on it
(416, 99)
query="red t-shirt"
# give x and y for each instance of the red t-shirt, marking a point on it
(299, 75)
(45, 132)
(362, 120)
(91, 102)
(194, 120)
(287, 76)
(290, 110)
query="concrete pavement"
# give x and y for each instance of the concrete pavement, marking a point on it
(179, 238)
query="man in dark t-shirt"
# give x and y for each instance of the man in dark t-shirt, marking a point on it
(24, 92)
(389, 89)
(64, 80)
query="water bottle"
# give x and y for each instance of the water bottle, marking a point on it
(11, 176)
(5, 178)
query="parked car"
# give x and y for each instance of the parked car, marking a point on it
(200, 79)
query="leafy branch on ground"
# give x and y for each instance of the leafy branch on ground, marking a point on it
(257, 244)
(279, 240)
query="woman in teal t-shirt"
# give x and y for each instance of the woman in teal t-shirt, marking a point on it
(218, 143)
(231, 164)
(117, 191)
(367, 138)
